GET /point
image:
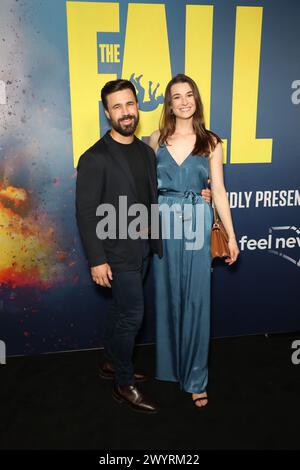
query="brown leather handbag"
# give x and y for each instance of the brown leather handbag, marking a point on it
(219, 238)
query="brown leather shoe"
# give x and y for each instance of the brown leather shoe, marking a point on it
(107, 371)
(133, 397)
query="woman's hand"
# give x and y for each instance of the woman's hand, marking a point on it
(234, 251)
(206, 194)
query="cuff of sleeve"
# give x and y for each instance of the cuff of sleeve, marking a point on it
(97, 261)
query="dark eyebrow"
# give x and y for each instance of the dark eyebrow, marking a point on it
(118, 104)
(178, 94)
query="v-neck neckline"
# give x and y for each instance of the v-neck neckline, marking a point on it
(177, 164)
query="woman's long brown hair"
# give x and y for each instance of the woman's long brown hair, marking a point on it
(205, 140)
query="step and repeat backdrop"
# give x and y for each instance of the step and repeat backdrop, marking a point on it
(54, 59)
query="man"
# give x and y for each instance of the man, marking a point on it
(117, 165)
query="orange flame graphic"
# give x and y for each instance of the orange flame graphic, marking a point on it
(28, 254)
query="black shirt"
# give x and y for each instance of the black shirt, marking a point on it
(136, 163)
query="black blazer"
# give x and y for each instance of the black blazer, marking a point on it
(102, 176)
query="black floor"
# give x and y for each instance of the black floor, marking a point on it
(57, 401)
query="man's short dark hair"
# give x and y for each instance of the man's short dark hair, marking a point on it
(116, 85)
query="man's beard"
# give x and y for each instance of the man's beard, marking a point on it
(126, 129)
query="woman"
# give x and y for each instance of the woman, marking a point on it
(187, 155)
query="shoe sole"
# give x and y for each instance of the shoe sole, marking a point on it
(137, 410)
(105, 377)
(110, 377)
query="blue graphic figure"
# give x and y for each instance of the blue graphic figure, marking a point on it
(154, 101)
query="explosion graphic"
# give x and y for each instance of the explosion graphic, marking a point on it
(29, 255)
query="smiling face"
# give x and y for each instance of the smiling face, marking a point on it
(183, 102)
(122, 111)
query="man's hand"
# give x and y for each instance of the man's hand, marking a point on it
(206, 194)
(102, 274)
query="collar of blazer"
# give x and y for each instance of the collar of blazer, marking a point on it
(115, 152)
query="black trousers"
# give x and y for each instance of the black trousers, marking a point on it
(124, 319)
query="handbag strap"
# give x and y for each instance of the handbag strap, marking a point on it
(216, 215)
